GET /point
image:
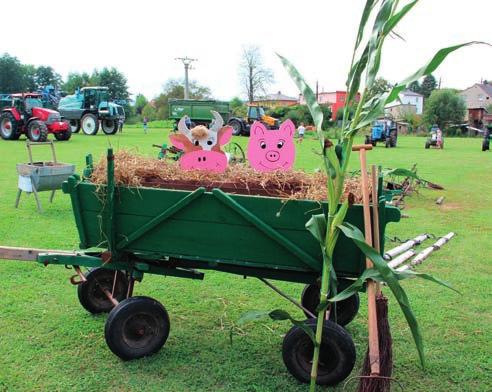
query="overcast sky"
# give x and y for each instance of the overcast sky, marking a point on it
(143, 38)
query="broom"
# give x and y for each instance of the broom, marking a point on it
(369, 381)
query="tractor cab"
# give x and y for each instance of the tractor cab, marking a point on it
(257, 113)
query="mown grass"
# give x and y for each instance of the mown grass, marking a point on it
(49, 343)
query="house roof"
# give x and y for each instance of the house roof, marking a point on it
(411, 93)
(278, 97)
(486, 87)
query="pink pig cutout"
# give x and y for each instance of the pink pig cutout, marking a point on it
(270, 150)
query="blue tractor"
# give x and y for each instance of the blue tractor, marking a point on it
(384, 131)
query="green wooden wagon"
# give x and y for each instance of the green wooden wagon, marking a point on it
(181, 233)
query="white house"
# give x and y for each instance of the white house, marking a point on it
(408, 101)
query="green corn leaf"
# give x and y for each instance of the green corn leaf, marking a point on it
(316, 225)
(395, 19)
(391, 279)
(363, 21)
(414, 274)
(252, 315)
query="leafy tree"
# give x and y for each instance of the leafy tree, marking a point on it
(29, 77)
(114, 80)
(238, 108)
(254, 76)
(428, 85)
(380, 86)
(76, 80)
(150, 112)
(140, 102)
(12, 77)
(46, 75)
(300, 113)
(444, 107)
(339, 115)
(415, 87)
(488, 108)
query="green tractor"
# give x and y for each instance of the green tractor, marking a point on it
(90, 106)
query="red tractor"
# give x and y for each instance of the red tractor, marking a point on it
(26, 115)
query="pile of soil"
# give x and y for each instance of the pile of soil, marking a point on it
(137, 171)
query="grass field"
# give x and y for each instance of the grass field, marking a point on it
(49, 343)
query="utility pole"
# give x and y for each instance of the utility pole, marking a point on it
(187, 64)
(317, 92)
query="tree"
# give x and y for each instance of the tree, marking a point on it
(428, 85)
(12, 77)
(444, 107)
(254, 76)
(46, 75)
(114, 80)
(140, 102)
(488, 108)
(380, 86)
(29, 77)
(415, 87)
(238, 108)
(76, 80)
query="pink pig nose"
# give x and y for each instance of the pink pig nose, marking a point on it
(272, 156)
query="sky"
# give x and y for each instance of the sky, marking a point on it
(143, 38)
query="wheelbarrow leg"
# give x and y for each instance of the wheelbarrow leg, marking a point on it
(17, 198)
(52, 195)
(38, 203)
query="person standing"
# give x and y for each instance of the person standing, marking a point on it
(145, 121)
(300, 132)
(439, 138)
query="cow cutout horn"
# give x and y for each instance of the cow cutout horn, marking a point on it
(183, 128)
(218, 123)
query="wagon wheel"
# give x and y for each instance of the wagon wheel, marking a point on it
(346, 310)
(337, 353)
(137, 327)
(236, 153)
(91, 292)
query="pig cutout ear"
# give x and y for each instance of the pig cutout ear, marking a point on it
(288, 128)
(179, 141)
(258, 129)
(225, 135)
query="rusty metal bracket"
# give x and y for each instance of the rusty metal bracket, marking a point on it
(79, 274)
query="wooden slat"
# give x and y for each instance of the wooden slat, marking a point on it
(26, 254)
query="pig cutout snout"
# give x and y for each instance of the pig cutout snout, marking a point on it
(270, 150)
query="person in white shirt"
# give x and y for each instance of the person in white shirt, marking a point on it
(300, 131)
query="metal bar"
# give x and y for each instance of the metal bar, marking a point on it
(405, 246)
(36, 197)
(160, 218)
(305, 258)
(17, 198)
(277, 290)
(26, 254)
(109, 205)
(52, 195)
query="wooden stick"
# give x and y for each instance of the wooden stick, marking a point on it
(27, 254)
(375, 216)
(371, 286)
(428, 251)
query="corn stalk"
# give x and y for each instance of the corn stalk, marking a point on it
(364, 68)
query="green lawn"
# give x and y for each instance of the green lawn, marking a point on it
(49, 343)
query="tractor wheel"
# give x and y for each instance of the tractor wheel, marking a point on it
(62, 136)
(9, 127)
(37, 131)
(91, 294)
(74, 126)
(237, 129)
(387, 143)
(89, 124)
(336, 359)
(485, 145)
(427, 144)
(109, 127)
(367, 140)
(137, 327)
(346, 310)
(393, 140)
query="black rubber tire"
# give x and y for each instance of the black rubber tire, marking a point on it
(74, 126)
(136, 328)
(374, 143)
(92, 298)
(37, 131)
(387, 143)
(109, 127)
(393, 139)
(485, 145)
(5, 133)
(346, 310)
(367, 140)
(237, 128)
(63, 136)
(89, 124)
(337, 355)
(427, 145)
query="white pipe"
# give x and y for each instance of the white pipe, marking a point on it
(401, 258)
(405, 246)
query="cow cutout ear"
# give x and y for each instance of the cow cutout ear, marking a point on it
(178, 141)
(258, 129)
(225, 135)
(288, 128)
